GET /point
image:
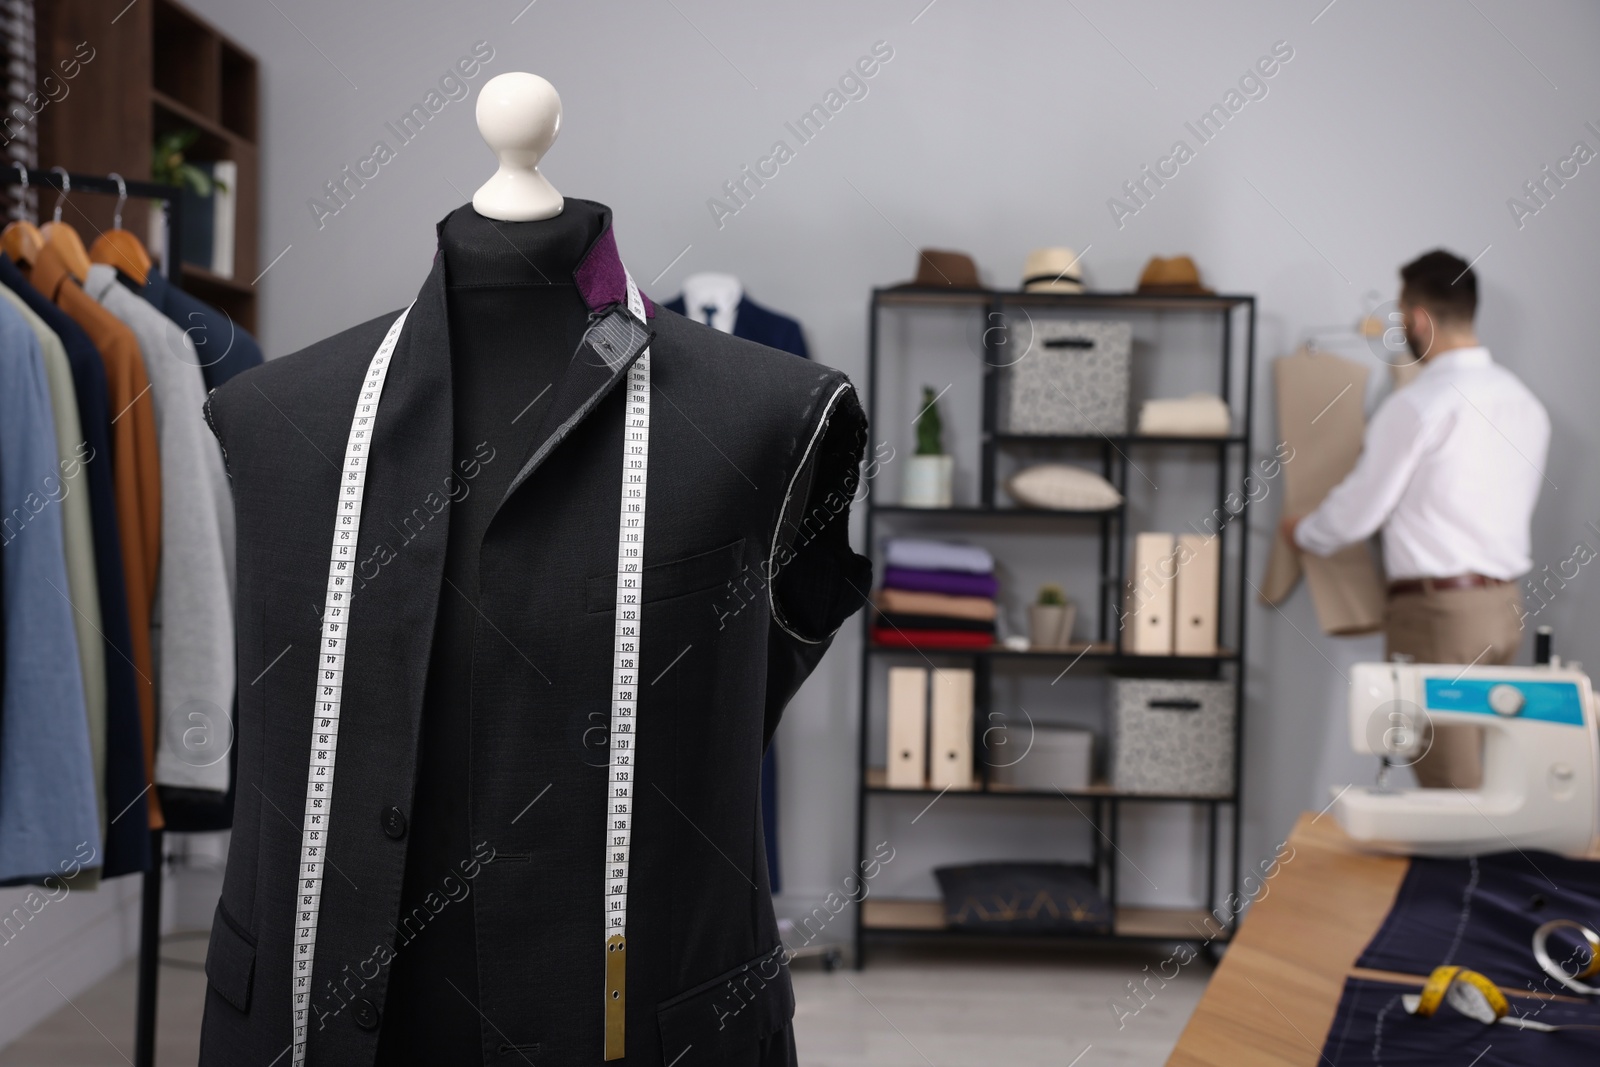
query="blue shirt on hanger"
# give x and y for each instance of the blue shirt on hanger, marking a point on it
(48, 810)
(225, 347)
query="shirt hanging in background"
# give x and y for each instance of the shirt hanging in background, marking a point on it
(193, 619)
(136, 475)
(127, 846)
(734, 312)
(1450, 469)
(77, 533)
(225, 348)
(47, 790)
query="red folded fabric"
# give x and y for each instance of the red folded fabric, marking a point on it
(883, 635)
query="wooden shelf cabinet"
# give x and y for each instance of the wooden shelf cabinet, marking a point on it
(157, 68)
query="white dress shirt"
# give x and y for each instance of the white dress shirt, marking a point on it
(1450, 468)
(713, 299)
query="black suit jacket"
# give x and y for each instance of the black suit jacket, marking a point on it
(753, 461)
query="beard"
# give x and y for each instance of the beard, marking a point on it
(1415, 346)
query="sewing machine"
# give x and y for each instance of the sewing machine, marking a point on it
(1541, 759)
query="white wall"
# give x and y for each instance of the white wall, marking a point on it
(996, 127)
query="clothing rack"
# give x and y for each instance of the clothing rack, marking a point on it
(144, 1042)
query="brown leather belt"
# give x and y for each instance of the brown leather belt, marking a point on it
(1455, 581)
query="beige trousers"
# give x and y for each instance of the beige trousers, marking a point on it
(1482, 626)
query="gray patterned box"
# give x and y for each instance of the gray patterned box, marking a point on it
(1172, 736)
(1071, 379)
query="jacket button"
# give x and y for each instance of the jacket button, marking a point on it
(366, 1015)
(394, 823)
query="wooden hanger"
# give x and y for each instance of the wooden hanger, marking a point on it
(63, 238)
(21, 240)
(119, 248)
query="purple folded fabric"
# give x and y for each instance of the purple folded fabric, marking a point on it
(955, 583)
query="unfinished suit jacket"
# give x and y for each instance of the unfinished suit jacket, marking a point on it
(753, 460)
(1321, 418)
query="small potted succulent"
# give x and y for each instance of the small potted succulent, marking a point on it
(1050, 620)
(929, 472)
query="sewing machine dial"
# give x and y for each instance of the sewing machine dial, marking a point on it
(1506, 700)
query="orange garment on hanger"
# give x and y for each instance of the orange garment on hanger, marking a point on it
(135, 471)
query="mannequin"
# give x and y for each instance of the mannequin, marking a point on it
(516, 318)
(453, 879)
(519, 114)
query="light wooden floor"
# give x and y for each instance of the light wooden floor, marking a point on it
(909, 1008)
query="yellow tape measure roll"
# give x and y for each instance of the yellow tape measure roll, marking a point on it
(1468, 992)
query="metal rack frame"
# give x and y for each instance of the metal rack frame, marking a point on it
(1230, 453)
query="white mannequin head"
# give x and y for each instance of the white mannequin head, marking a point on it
(519, 115)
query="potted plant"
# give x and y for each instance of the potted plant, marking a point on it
(170, 165)
(929, 472)
(1050, 620)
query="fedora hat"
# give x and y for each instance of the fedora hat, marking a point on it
(944, 270)
(1052, 270)
(1177, 276)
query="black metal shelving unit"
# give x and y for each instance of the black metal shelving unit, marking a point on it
(878, 919)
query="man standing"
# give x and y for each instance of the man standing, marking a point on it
(1450, 469)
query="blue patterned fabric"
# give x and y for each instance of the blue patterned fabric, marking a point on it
(1481, 913)
(1372, 1029)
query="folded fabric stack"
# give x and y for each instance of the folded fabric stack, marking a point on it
(936, 594)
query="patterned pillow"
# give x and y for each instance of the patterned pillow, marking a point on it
(1062, 487)
(1023, 898)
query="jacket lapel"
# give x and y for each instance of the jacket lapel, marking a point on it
(404, 512)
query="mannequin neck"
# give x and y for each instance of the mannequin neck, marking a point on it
(480, 251)
(516, 319)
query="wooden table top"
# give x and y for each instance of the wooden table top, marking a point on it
(1273, 997)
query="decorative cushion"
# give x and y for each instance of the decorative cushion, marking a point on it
(1023, 898)
(1196, 415)
(1062, 487)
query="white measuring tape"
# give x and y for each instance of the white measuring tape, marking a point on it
(624, 681)
(330, 682)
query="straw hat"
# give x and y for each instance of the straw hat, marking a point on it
(1052, 270)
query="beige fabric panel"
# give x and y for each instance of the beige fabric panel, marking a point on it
(1320, 416)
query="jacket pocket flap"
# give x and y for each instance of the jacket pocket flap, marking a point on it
(662, 581)
(731, 1012)
(230, 960)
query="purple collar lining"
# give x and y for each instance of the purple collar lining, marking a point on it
(601, 279)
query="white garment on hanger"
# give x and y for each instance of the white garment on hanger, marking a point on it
(720, 293)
